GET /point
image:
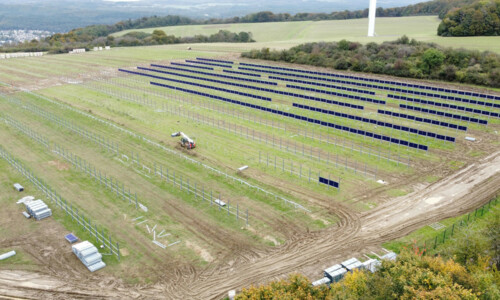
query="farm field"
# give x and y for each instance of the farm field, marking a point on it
(338, 163)
(283, 35)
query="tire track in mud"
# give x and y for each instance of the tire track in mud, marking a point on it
(458, 193)
(475, 184)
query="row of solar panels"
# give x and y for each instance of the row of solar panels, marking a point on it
(303, 118)
(391, 89)
(423, 120)
(241, 73)
(444, 114)
(206, 63)
(329, 182)
(201, 78)
(191, 66)
(192, 83)
(379, 123)
(367, 85)
(255, 87)
(360, 98)
(344, 88)
(217, 75)
(215, 60)
(419, 86)
(219, 89)
(446, 97)
(446, 105)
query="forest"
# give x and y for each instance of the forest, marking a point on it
(479, 18)
(403, 58)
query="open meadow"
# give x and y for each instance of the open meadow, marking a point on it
(338, 163)
(283, 35)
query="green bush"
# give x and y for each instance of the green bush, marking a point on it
(403, 57)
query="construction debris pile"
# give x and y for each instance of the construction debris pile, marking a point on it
(89, 256)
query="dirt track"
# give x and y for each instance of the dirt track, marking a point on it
(309, 253)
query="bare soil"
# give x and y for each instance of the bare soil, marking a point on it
(309, 253)
(59, 275)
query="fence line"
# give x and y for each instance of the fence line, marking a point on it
(288, 168)
(77, 216)
(185, 157)
(125, 194)
(273, 141)
(448, 232)
(325, 138)
(97, 139)
(26, 130)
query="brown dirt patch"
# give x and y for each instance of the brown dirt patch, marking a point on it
(61, 166)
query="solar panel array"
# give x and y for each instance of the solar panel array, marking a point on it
(241, 73)
(444, 114)
(354, 106)
(446, 105)
(378, 123)
(217, 75)
(193, 77)
(218, 89)
(446, 97)
(423, 120)
(367, 85)
(344, 88)
(303, 118)
(215, 60)
(192, 66)
(419, 86)
(329, 182)
(206, 63)
(387, 88)
(360, 98)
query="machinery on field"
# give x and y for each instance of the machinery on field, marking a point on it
(185, 140)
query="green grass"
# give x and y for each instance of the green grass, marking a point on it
(428, 233)
(287, 34)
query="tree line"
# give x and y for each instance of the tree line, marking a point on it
(62, 43)
(436, 7)
(403, 57)
(479, 18)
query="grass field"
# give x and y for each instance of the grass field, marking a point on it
(80, 103)
(282, 35)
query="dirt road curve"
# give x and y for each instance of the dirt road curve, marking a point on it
(309, 253)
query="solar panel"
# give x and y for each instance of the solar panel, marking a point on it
(71, 238)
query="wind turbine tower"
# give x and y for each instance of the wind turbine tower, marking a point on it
(371, 18)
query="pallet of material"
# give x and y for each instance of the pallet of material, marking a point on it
(88, 255)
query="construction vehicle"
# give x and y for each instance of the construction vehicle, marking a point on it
(185, 140)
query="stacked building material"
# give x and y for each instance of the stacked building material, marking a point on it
(88, 255)
(352, 264)
(335, 273)
(38, 209)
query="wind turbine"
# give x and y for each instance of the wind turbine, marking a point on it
(371, 18)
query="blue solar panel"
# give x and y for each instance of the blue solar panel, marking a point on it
(71, 238)
(206, 63)
(328, 182)
(216, 60)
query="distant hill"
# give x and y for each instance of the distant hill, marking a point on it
(436, 7)
(65, 15)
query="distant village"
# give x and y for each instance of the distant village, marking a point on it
(22, 35)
